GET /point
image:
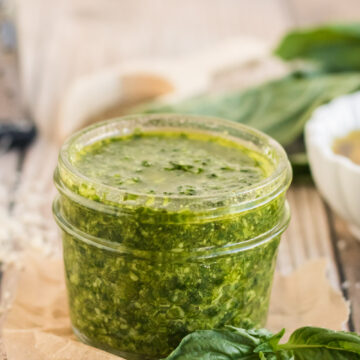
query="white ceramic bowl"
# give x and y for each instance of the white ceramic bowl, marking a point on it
(336, 176)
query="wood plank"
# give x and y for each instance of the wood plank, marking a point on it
(348, 249)
(308, 235)
(311, 235)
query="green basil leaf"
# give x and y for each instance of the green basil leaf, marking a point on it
(334, 47)
(271, 344)
(232, 344)
(280, 108)
(309, 343)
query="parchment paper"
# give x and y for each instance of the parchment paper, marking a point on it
(37, 326)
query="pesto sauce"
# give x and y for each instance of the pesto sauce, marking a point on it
(167, 278)
(172, 163)
(349, 146)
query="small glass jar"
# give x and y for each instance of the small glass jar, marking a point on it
(142, 271)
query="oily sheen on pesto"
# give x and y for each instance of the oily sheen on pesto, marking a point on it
(172, 163)
(145, 265)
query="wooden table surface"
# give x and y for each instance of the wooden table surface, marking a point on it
(26, 189)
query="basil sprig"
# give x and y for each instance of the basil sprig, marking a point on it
(307, 343)
(333, 47)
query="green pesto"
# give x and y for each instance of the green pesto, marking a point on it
(172, 272)
(172, 163)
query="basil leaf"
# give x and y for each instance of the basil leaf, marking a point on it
(334, 47)
(279, 108)
(229, 344)
(309, 343)
(271, 344)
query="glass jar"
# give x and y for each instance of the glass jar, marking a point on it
(142, 271)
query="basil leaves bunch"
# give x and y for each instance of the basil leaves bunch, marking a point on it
(307, 343)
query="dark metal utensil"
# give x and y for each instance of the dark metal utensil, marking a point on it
(16, 134)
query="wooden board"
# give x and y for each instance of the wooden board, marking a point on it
(347, 250)
(308, 235)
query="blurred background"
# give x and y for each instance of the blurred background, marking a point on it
(60, 42)
(267, 63)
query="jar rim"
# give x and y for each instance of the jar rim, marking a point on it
(269, 187)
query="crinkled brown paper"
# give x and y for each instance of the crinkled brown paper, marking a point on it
(38, 327)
